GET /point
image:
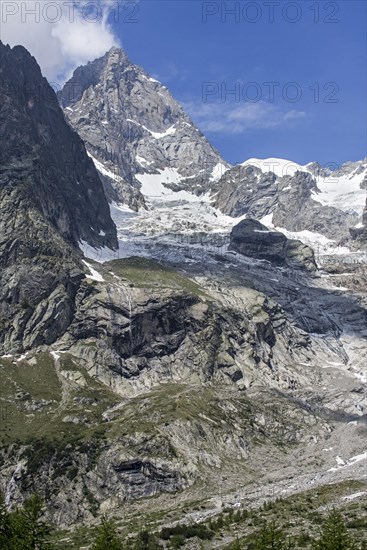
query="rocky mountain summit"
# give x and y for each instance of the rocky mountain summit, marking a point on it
(146, 148)
(134, 129)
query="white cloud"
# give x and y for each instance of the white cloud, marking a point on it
(239, 118)
(60, 34)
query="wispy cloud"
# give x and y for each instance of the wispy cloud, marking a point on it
(239, 118)
(61, 35)
(171, 73)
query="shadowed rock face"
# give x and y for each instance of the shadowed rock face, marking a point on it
(51, 197)
(143, 479)
(251, 238)
(43, 159)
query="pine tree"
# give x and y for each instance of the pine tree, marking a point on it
(25, 528)
(334, 534)
(29, 526)
(271, 537)
(107, 537)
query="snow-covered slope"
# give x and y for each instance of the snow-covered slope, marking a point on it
(150, 154)
(343, 188)
(280, 167)
(314, 204)
(175, 221)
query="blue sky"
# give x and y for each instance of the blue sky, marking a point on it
(311, 54)
(261, 78)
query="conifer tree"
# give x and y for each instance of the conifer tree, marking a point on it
(24, 529)
(31, 526)
(107, 537)
(334, 534)
(146, 541)
(271, 537)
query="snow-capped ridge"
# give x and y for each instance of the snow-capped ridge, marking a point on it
(280, 167)
(341, 188)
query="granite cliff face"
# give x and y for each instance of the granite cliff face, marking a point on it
(50, 198)
(133, 127)
(43, 158)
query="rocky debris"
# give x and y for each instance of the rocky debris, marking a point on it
(75, 376)
(72, 419)
(37, 405)
(253, 239)
(132, 125)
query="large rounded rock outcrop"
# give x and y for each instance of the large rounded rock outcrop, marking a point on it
(252, 238)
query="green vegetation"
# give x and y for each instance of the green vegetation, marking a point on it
(144, 273)
(184, 531)
(334, 534)
(33, 403)
(145, 541)
(62, 451)
(24, 529)
(107, 537)
(271, 537)
(30, 391)
(297, 522)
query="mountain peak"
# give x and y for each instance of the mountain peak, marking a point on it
(136, 131)
(86, 76)
(116, 53)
